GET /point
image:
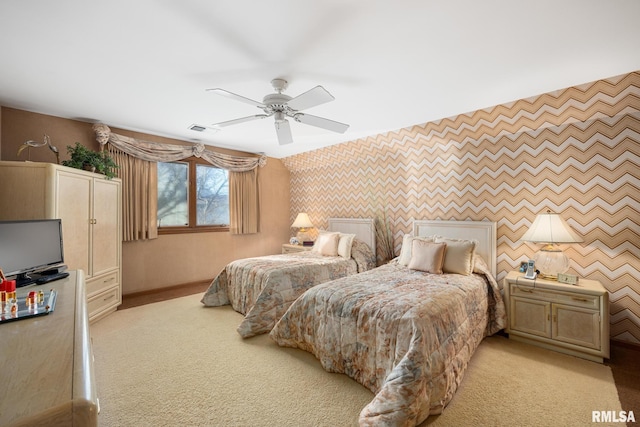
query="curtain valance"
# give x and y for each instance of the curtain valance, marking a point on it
(159, 152)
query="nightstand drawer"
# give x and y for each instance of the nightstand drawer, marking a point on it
(576, 299)
(290, 249)
(586, 301)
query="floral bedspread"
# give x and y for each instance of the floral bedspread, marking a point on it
(405, 335)
(262, 288)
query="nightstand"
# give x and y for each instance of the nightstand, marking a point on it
(571, 319)
(289, 249)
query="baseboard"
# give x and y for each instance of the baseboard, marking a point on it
(626, 344)
(135, 299)
(166, 289)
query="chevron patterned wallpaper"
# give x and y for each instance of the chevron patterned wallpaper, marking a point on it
(575, 151)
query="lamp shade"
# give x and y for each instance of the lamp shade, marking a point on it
(302, 221)
(549, 227)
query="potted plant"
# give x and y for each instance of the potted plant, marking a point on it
(94, 161)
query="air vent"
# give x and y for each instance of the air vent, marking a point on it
(197, 128)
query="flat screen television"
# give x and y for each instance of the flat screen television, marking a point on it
(30, 246)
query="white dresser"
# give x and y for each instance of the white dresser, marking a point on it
(48, 376)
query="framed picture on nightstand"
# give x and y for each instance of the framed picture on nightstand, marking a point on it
(523, 267)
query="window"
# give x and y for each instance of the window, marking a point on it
(192, 196)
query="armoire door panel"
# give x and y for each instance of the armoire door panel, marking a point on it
(73, 204)
(106, 235)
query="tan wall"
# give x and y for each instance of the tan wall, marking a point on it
(170, 259)
(574, 151)
(179, 258)
(0, 133)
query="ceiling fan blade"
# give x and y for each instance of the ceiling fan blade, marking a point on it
(283, 130)
(316, 96)
(320, 122)
(237, 97)
(240, 120)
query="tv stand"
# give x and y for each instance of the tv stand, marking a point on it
(23, 279)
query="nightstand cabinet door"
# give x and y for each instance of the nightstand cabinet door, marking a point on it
(530, 316)
(575, 325)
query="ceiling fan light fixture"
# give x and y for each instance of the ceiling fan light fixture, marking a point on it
(279, 116)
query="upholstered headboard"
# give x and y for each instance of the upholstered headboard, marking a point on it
(483, 231)
(363, 228)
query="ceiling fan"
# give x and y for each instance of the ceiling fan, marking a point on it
(281, 106)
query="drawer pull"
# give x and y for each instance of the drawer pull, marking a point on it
(580, 299)
(108, 298)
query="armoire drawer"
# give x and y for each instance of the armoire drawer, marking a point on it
(101, 283)
(103, 301)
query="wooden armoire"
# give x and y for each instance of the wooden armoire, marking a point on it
(89, 206)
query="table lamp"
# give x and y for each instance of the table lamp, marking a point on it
(303, 223)
(550, 229)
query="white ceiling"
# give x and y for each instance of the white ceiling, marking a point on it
(145, 65)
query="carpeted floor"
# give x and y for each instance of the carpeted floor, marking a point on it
(624, 361)
(178, 363)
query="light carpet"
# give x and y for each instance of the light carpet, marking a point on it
(177, 363)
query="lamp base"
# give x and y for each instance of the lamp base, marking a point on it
(551, 261)
(305, 235)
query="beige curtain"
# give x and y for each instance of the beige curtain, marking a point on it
(139, 196)
(244, 214)
(138, 170)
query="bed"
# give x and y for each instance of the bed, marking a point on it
(405, 334)
(262, 288)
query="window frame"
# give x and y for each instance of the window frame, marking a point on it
(192, 201)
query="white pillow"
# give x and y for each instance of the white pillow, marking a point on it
(458, 258)
(327, 244)
(427, 256)
(405, 251)
(344, 245)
